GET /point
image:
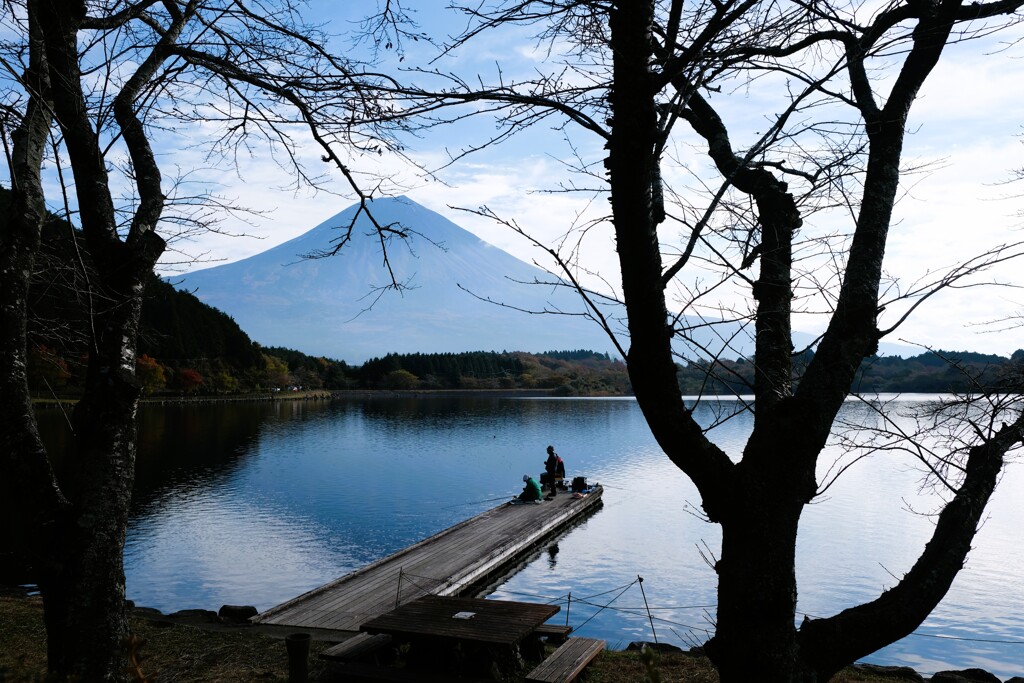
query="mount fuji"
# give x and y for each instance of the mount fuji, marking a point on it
(330, 307)
(463, 295)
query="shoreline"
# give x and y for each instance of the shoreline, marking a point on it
(337, 394)
(198, 639)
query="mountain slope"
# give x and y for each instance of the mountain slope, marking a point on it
(323, 306)
(329, 306)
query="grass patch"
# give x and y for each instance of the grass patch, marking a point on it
(171, 652)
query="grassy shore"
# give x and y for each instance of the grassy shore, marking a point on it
(177, 653)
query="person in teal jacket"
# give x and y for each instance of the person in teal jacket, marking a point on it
(531, 491)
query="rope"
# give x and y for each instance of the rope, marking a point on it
(602, 608)
(633, 612)
(546, 598)
(610, 590)
(406, 577)
(646, 610)
(969, 640)
(640, 611)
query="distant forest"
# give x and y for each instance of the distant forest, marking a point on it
(569, 373)
(188, 348)
(929, 372)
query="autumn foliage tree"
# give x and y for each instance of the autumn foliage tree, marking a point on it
(150, 373)
(188, 381)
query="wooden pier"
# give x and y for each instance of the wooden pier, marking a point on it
(452, 562)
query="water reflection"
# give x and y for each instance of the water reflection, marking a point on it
(255, 503)
(179, 449)
(552, 556)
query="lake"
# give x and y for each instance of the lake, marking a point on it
(255, 503)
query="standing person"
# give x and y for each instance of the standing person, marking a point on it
(553, 468)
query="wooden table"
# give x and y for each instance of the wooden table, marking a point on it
(467, 633)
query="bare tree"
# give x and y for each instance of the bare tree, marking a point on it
(103, 82)
(644, 75)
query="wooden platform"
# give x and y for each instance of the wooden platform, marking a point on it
(452, 562)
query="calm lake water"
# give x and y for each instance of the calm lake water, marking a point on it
(255, 503)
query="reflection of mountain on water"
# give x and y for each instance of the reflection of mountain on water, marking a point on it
(191, 446)
(183, 447)
(188, 447)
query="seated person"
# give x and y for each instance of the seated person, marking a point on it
(531, 491)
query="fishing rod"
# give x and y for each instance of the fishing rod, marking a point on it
(485, 500)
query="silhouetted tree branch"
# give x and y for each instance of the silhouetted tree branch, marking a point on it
(647, 78)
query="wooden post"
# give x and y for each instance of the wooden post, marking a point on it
(649, 617)
(297, 645)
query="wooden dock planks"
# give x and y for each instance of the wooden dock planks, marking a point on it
(448, 563)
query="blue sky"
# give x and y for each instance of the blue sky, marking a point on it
(965, 126)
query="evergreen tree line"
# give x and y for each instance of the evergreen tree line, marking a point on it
(579, 372)
(184, 345)
(932, 372)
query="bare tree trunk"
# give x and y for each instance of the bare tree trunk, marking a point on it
(755, 637)
(755, 634)
(85, 611)
(30, 490)
(84, 602)
(758, 500)
(632, 165)
(30, 479)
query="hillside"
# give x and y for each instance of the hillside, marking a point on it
(177, 328)
(189, 347)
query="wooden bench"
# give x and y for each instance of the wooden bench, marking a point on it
(553, 632)
(567, 662)
(359, 645)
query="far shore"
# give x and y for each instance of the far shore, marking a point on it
(328, 394)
